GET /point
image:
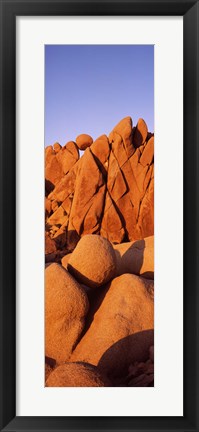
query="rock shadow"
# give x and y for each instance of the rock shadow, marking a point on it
(132, 259)
(116, 360)
(49, 186)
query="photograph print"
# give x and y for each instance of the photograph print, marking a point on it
(99, 216)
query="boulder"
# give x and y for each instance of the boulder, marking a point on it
(136, 257)
(65, 260)
(89, 195)
(140, 133)
(124, 130)
(83, 141)
(68, 156)
(122, 329)
(66, 306)
(77, 375)
(101, 151)
(148, 153)
(53, 171)
(57, 147)
(93, 261)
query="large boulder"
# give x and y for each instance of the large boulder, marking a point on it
(122, 328)
(93, 261)
(77, 375)
(66, 306)
(83, 141)
(136, 257)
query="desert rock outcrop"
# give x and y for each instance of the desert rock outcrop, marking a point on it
(99, 250)
(109, 191)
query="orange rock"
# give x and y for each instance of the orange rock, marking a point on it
(136, 257)
(50, 245)
(58, 217)
(53, 171)
(148, 153)
(129, 187)
(48, 153)
(108, 191)
(77, 375)
(124, 130)
(122, 328)
(140, 133)
(48, 207)
(65, 259)
(93, 261)
(89, 195)
(83, 141)
(101, 150)
(111, 226)
(68, 156)
(57, 147)
(66, 305)
(66, 185)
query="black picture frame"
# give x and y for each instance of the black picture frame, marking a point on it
(9, 11)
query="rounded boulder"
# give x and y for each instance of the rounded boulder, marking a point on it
(83, 141)
(93, 261)
(136, 257)
(77, 375)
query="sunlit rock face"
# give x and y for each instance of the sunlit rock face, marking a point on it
(107, 190)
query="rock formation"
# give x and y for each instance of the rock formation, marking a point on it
(99, 250)
(108, 191)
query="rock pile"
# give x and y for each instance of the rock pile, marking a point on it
(99, 245)
(108, 191)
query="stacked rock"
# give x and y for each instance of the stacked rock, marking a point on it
(98, 324)
(107, 191)
(99, 245)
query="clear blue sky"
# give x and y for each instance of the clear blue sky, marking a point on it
(90, 88)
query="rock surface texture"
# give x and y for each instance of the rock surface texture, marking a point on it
(77, 375)
(127, 309)
(93, 261)
(66, 305)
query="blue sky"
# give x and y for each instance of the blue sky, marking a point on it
(90, 88)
